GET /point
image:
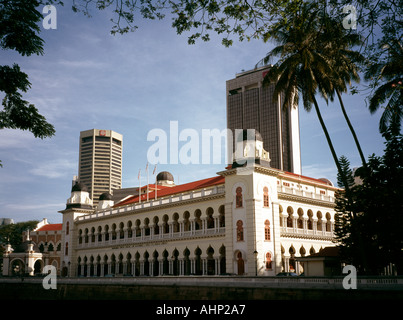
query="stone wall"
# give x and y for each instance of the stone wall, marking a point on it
(33, 290)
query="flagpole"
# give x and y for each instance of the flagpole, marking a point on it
(155, 185)
(139, 177)
(147, 181)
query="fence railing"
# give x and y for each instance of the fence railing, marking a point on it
(331, 283)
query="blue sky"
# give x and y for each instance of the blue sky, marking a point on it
(132, 84)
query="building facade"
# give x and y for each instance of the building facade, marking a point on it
(40, 247)
(249, 219)
(100, 161)
(246, 220)
(250, 105)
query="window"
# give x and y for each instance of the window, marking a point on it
(267, 230)
(66, 249)
(67, 228)
(239, 230)
(239, 197)
(268, 261)
(290, 212)
(265, 197)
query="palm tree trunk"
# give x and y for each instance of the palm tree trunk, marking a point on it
(329, 142)
(351, 128)
(346, 186)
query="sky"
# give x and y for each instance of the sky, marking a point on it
(133, 84)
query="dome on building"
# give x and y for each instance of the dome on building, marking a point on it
(327, 181)
(105, 196)
(247, 134)
(165, 176)
(79, 187)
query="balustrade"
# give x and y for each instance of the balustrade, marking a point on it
(141, 236)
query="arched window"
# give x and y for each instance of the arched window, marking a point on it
(175, 223)
(67, 228)
(241, 264)
(106, 233)
(221, 218)
(239, 230)
(319, 222)
(186, 222)
(267, 230)
(268, 261)
(290, 212)
(328, 222)
(210, 219)
(129, 229)
(138, 229)
(114, 231)
(165, 226)
(156, 226)
(121, 231)
(238, 198)
(310, 220)
(265, 197)
(300, 222)
(92, 234)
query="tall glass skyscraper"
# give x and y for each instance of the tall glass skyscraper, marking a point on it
(100, 161)
(250, 105)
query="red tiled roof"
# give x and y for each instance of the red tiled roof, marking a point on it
(153, 187)
(51, 227)
(295, 175)
(205, 183)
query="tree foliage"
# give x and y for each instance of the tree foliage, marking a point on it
(312, 60)
(369, 218)
(12, 233)
(378, 24)
(386, 76)
(19, 31)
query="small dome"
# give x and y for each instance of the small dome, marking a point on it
(165, 175)
(247, 134)
(327, 181)
(79, 187)
(105, 196)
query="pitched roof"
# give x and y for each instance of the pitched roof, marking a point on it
(51, 227)
(327, 252)
(200, 184)
(299, 176)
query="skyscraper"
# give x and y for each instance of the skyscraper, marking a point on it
(250, 105)
(100, 161)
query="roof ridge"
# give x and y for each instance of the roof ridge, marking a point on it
(194, 185)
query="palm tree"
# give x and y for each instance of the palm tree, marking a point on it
(302, 68)
(311, 62)
(335, 43)
(389, 72)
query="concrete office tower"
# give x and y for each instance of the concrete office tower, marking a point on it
(100, 162)
(250, 105)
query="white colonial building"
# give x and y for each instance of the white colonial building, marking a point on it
(249, 219)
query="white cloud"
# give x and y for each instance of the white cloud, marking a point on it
(81, 64)
(55, 169)
(34, 206)
(11, 138)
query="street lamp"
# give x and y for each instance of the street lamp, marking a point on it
(255, 253)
